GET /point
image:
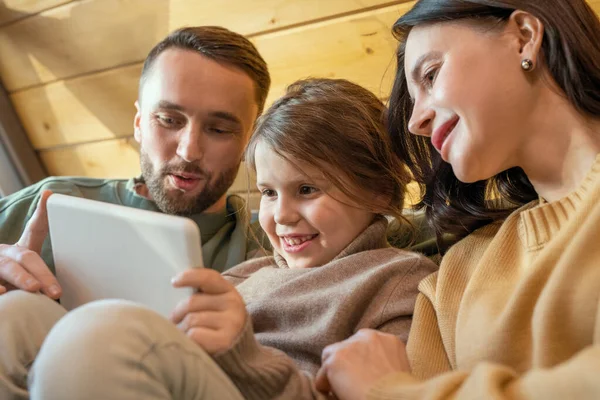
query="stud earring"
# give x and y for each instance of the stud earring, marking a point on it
(527, 64)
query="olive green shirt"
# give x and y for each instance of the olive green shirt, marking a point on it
(228, 237)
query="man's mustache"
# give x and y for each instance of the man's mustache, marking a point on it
(181, 168)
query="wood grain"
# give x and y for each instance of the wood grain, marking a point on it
(91, 108)
(86, 36)
(13, 10)
(100, 106)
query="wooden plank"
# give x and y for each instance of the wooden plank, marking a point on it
(93, 35)
(116, 158)
(100, 106)
(252, 17)
(13, 10)
(360, 48)
(94, 107)
(25, 167)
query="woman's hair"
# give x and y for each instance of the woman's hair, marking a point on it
(570, 52)
(338, 127)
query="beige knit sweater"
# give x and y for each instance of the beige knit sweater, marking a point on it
(295, 313)
(513, 311)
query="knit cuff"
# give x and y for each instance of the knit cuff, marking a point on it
(234, 361)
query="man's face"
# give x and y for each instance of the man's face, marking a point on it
(194, 119)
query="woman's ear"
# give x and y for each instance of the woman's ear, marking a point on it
(530, 34)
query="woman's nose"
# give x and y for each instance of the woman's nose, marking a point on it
(421, 121)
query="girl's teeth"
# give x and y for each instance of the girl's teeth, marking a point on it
(297, 241)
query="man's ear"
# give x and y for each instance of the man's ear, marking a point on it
(137, 134)
(530, 33)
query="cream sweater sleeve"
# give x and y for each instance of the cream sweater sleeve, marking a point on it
(262, 373)
(576, 378)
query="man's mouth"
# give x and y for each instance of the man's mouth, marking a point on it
(184, 181)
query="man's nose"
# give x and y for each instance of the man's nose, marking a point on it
(190, 146)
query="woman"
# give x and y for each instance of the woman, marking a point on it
(503, 100)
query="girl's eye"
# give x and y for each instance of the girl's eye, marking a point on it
(268, 193)
(305, 190)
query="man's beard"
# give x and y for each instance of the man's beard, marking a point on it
(177, 202)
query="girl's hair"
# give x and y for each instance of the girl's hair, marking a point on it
(338, 127)
(571, 54)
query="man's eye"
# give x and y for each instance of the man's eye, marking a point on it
(167, 121)
(220, 130)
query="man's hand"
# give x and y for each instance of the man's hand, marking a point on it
(21, 266)
(351, 367)
(215, 316)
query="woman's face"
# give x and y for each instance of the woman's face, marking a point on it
(470, 95)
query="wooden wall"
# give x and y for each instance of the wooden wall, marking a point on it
(72, 66)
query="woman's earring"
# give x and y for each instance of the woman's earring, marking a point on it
(527, 64)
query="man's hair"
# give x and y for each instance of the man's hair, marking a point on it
(221, 45)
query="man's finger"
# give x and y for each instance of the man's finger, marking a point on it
(14, 274)
(206, 280)
(31, 262)
(37, 228)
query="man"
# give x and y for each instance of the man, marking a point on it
(201, 90)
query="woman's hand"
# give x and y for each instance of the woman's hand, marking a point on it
(351, 367)
(215, 316)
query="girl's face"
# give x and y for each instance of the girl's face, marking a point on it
(307, 220)
(471, 95)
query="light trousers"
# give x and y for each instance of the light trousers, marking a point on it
(108, 349)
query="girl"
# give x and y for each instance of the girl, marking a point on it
(329, 178)
(504, 96)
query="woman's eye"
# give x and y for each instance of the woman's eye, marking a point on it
(429, 77)
(304, 190)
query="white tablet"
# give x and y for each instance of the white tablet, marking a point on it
(107, 251)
